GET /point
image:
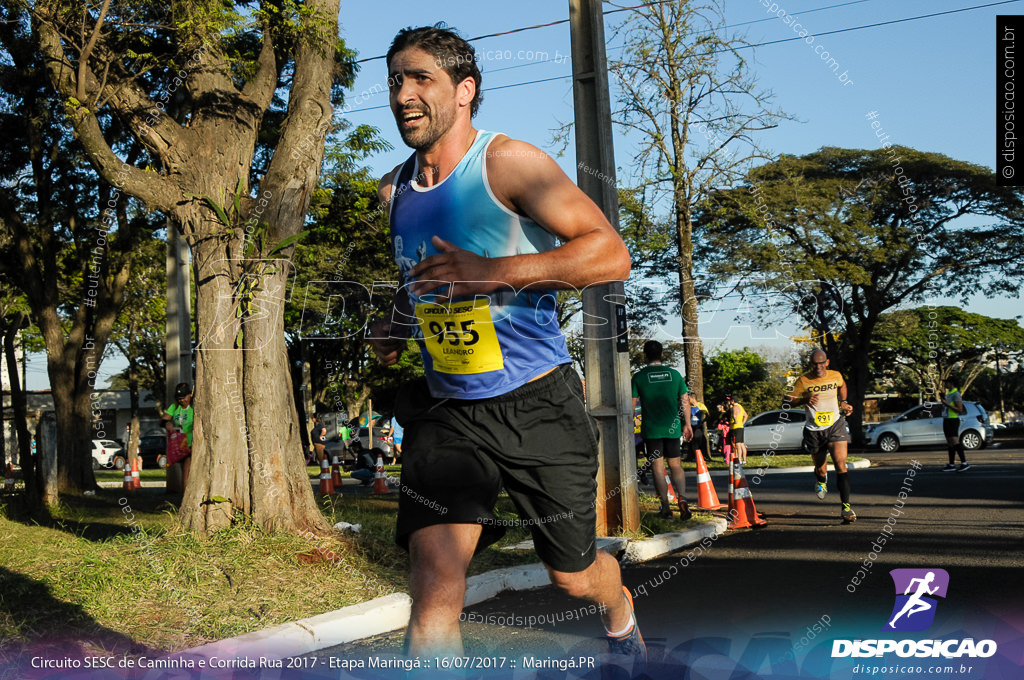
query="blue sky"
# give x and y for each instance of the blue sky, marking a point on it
(931, 82)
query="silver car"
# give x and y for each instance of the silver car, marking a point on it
(779, 430)
(922, 426)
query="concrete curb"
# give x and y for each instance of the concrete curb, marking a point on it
(392, 612)
(318, 632)
(662, 544)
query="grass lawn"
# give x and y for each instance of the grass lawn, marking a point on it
(88, 581)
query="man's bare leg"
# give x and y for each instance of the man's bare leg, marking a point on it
(600, 583)
(839, 450)
(658, 466)
(439, 556)
(675, 470)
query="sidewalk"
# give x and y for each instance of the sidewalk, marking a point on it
(392, 612)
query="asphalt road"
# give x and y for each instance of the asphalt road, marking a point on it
(768, 602)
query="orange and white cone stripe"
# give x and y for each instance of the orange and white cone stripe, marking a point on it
(128, 484)
(380, 480)
(326, 484)
(336, 472)
(741, 505)
(706, 496)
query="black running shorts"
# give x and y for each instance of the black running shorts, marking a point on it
(538, 442)
(951, 427)
(662, 448)
(736, 435)
(816, 441)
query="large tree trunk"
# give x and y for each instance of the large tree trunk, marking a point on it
(133, 394)
(693, 348)
(245, 443)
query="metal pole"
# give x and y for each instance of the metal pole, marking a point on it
(606, 359)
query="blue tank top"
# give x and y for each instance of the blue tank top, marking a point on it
(474, 348)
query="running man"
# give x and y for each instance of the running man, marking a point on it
(914, 603)
(500, 404)
(663, 395)
(955, 408)
(737, 417)
(825, 430)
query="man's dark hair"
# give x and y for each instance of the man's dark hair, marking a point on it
(652, 350)
(456, 56)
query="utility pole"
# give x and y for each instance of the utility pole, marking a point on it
(606, 348)
(178, 347)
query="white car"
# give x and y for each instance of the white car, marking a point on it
(778, 430)
(104, 451)
(922, 426)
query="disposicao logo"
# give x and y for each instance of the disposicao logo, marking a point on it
(916, 590)
(914, 610)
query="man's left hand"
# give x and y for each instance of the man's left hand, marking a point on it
(688, 432)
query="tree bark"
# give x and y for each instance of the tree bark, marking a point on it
(246, 447)
(693, 348)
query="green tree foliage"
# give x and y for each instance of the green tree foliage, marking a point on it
(232, 103)
(72, 239)
(652, 265)
(345, 277)
(745, 375)
(840, 236)
(935, 343)
(1003, 391)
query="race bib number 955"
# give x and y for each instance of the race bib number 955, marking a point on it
(460, 337)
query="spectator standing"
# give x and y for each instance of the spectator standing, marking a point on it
(318, 437)
(179, 417)
(699, 423)
(954, 403)
(737, 417)
(662, 394)
(396, 438)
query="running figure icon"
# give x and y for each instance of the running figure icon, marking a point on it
(915, 604)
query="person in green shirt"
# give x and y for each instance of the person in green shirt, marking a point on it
(179, 417)
(662, 394)
(954, 403)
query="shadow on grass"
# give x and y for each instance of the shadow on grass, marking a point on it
(34, 623)
(96, 518)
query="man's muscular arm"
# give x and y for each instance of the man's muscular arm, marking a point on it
(529, 182)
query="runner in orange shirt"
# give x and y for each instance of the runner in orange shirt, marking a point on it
(824, 393)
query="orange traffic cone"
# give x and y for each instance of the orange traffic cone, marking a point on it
(380, 481)
(326, 484)
(136, 467)
(671, 491)
(741, 503)
(9, 479)
(706, 496)
(336, 471)
(129, 483)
